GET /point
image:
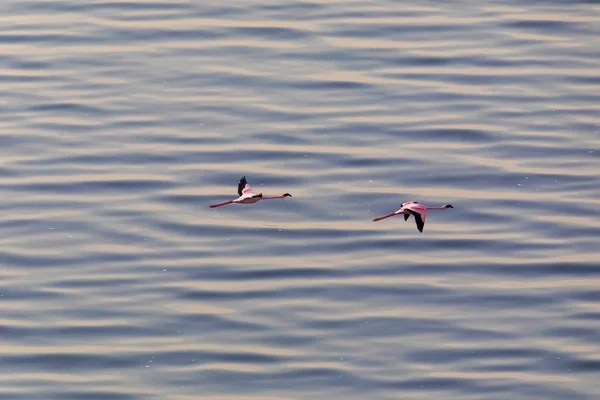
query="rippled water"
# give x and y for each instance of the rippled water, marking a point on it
(121, 121)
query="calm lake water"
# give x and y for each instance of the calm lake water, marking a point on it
(121, 121)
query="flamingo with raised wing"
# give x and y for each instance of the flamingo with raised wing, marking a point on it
(247, 196)
(419, 211)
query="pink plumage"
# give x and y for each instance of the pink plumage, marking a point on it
(417, 210)
(247, 196)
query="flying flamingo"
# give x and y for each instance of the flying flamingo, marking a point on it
(247, 196)
(419, 211)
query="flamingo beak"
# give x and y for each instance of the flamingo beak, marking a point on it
(449, 206)
(287, 195)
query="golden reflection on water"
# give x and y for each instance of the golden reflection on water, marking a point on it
(140, 259)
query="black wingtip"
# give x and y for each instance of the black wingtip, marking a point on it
(418, 220)
(241, 185)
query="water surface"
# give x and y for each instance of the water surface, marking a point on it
(121, 121)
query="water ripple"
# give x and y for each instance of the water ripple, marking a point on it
(123, 120)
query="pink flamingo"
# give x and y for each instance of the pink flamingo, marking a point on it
(419, 211)
(247, 196)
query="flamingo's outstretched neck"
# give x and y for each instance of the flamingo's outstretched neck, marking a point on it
(444, 207)
(384, 217)
(221, 204)
(277, 197)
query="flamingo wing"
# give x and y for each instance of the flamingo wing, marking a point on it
(418, 220)
(419, 212)
(241, 185)
(244, 187)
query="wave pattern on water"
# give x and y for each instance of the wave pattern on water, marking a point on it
(122, 120)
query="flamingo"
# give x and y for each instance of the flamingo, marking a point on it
(419, 211)
(247, 196)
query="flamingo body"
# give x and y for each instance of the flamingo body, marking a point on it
(247, 196)
(417, 210)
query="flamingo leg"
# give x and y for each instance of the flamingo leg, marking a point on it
(221, 204)
(384, 217)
